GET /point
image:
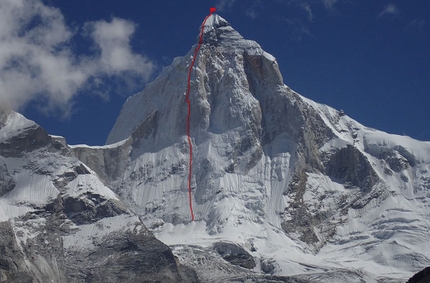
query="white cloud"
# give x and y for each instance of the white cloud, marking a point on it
(38, 64)
(329, 4)
(298, 29)
(252, 13)
(305, 6)
(254, 8)
(389, 9)
(418, 24)
(116, 56)
(223, 5)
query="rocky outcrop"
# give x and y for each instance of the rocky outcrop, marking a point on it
(134, 257)
(28, 140)
(397, 157)
(108, 163)
(235, 254)
(421, 277)
(12, 259)
(91, 208)
(350, 167)
(300, 221)
(6, 181)
(130, 255)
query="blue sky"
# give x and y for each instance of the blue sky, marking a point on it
(70, 65)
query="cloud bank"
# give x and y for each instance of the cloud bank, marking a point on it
(38, 64)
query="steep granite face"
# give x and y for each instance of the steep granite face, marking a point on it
(60, 223)
(241, 111)
(245, 123)
(290, 180)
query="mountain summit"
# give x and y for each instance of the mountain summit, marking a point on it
(215, 21)
(219, 37)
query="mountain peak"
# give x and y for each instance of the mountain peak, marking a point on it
(215, 21)
(13, 124)
(219, 33)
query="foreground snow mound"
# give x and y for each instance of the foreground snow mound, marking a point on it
(303, 188)
(60, 223)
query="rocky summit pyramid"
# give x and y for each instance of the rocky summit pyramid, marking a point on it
(284, 189)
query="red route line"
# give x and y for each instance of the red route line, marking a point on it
(187, 99)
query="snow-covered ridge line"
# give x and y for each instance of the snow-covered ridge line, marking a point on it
(113, 145)
(370, 138)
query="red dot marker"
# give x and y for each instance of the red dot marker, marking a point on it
(212, 10)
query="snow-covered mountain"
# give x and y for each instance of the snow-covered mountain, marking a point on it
(284, 189)
(59, 222)
(306, 190)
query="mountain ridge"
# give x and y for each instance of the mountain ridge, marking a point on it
(61, 223)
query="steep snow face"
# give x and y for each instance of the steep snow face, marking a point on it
(299, 184)
(227, 129)
(238, 98)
